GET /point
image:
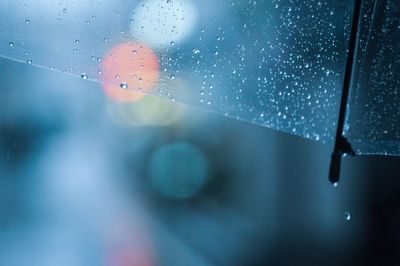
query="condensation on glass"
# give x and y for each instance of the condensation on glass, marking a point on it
(276, 63)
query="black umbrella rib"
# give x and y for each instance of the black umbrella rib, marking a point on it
(342, 146)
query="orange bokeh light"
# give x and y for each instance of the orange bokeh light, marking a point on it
(129, 67)
(130, 256)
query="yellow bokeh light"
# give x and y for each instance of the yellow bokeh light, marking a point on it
(148, 111)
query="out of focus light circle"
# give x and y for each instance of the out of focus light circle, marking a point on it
(128, 68)
(160, 23)
(178, 170)
(130, 256)
(128, 240)
(148, 111)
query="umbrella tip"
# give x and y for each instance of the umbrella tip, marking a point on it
(334, 168)
(342, 147)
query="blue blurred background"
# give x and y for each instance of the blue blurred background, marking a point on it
(88, 181)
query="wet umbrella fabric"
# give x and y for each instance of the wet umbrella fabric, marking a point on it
(279, 64)
(373, 121)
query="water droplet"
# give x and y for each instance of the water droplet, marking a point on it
(196, 51)
(172, 77)
(11, 44)
(29, 61)
(336, 184)
(27, 21)
(84, 76)
(347, 216)
(172, 43)
(77, 41)
(123, 85)
(65, 10)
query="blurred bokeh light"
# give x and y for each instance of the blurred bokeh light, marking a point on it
(146, 111)
(163, 23)
(178, 170)
(128, 68)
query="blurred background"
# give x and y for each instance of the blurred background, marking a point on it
(88, 181)
(96, 173)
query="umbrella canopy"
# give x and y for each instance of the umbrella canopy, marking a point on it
(278, 63)
(373, 117)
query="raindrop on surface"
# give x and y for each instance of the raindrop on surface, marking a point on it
(336, 184)
(347, 216)
(27, 21)
(77, 41)
(84, 76)
(123, 85)
(11, 44)
(172, 43)
(29, 61)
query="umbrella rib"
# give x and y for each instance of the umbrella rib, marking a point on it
(342, 146)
